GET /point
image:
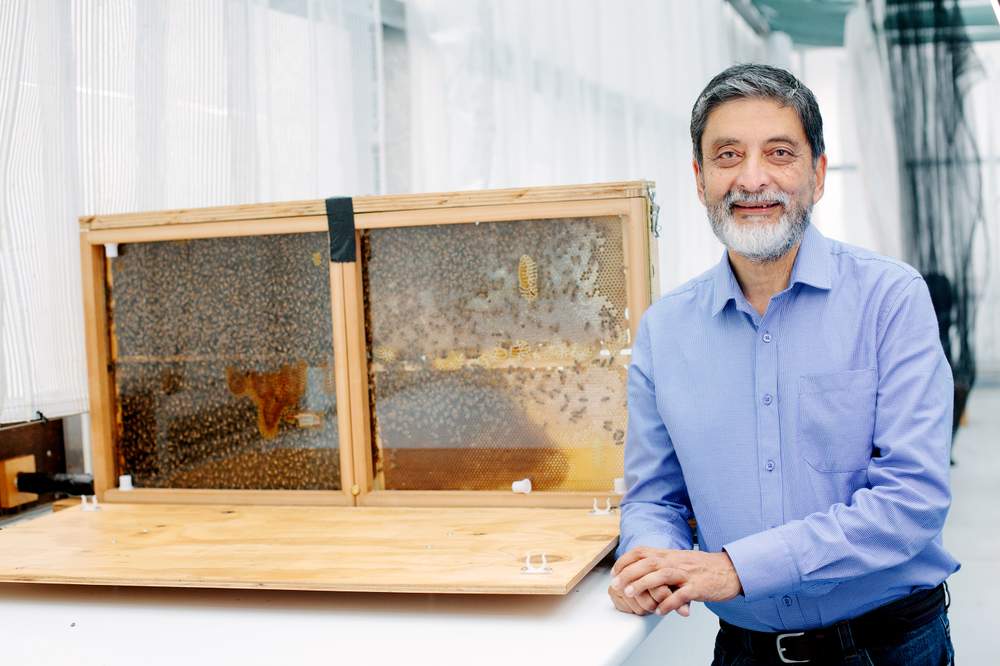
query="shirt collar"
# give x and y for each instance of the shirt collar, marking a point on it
(812, 264)
(726, 287)
(812, 267)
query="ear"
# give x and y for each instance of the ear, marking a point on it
(820, 175)
(699, 181)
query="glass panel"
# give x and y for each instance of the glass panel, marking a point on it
(224, 363)
(498, 352)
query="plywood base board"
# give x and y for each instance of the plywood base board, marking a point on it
(366, 549)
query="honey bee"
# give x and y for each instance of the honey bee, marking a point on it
(385, 354)
(519, 348)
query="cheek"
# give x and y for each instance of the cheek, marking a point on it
(715, 188)
(815, 193)
(798, 187)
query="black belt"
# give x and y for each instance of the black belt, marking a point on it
(883, 626)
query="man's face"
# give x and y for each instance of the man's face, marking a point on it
(757, 179)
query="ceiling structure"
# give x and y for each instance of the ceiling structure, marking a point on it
(812, 23)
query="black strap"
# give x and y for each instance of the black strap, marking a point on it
(883, 625)
(340, 220)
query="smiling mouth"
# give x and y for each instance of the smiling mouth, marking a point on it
(756, 208)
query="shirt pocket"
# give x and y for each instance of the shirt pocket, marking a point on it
(837, 419)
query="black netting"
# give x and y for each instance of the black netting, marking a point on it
(931, 67)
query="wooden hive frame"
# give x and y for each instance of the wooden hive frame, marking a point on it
(630, 201)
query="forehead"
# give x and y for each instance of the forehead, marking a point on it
(752, 120)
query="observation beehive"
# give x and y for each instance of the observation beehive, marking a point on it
(407, 351)
(448, 345)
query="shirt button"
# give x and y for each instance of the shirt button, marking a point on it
(769, 466)
(767, 399)
(787, 600)
(766, 337)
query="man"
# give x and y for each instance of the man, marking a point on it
(796, 399)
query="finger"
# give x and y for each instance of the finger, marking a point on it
(655, 579)
(645, 601)
(634, 572)
(629, 604)
(618, 601)
(637, 605)
(663, 593)
(628, 558)
(640, 605)
(660, 593)
(681, 597)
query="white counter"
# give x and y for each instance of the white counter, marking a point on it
(111, 626)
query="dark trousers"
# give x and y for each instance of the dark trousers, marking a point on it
(886, 637)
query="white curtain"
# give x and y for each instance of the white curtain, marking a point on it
(42, 367)
(984, 103)
(879, 226)
(124, 105)
(522, 92)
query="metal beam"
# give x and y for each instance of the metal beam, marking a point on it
(393, 14)
(753, 17)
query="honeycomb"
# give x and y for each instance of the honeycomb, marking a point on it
(275, 394)
(498, 351)
(223, 366)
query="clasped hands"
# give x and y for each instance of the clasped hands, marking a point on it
(648, 580)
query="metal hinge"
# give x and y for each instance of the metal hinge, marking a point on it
(654, 213)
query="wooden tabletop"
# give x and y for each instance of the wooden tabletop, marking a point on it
(358, 549)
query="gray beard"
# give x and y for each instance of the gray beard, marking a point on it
(761, 242)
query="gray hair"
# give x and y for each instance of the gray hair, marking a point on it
(762, 82)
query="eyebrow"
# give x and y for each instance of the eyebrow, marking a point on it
(784, 138)
(726, 140)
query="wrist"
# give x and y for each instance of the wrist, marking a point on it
(733, 574)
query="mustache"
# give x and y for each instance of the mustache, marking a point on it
(741, 197)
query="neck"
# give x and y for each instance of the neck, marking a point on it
(761, 281)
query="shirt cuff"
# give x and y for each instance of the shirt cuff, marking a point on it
(764, 564)
(651, 540)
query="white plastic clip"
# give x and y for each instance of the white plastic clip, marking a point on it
(606, 511)
(125, 482)
(522, 486)
(620, 487)
(529, 568)
(111, 250)
(89, 506)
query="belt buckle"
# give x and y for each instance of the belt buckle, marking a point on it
(781, 650)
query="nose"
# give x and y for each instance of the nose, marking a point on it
(753, 175)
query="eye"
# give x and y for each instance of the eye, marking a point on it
(727, 158)
(783, 153)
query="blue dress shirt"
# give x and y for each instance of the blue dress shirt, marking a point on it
(811, 443)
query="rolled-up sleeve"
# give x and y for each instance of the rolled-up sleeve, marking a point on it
(907, 498)
(656, 509)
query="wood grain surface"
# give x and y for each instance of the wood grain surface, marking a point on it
(358, 549)
(370, 204)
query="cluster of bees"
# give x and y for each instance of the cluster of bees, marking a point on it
(222, 352)
(493, 337)
(498, 351)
